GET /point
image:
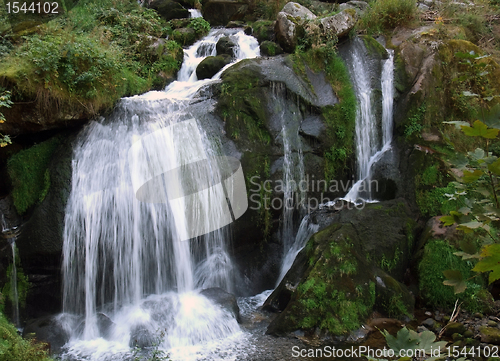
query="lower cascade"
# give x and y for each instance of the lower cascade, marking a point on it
(132, 278)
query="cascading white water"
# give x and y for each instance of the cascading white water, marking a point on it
(118, 250)
(10, 235)
(369, 147)
(194, 13)
(306, 230)
(293, 173)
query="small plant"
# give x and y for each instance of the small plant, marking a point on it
(4, 102)
(388, 14)
(415, 121)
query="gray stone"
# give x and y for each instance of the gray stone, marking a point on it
(339, 24)
(423, 7)
(47, 329)
(298, 11)
(287, 30)
(312, 126)
(359, 6)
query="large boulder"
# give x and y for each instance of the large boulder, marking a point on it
(48, 329)
(339, 24)
(169, 9)
(270, 48)
(352, 266)
(298, 11)
(211, 65)
(220, 12)
(289, 25)
(288, 30)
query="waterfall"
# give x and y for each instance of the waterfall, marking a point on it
(294, 194)
(306, 230)
(128, 262)
(371, 142)
(10, 235)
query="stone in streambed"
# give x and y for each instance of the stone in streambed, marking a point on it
(454, 327)
(224, 299)
(490, 335)
(211, 65)
(169, 9)
(270, 48)
(225, 46)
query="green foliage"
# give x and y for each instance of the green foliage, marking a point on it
(415, 121)
(388, 14)
(410, 340)
(438, 257)
(92, 56)
(14, 348)
(4, 102)
(200, 26)
(434, 201)
(28, 171)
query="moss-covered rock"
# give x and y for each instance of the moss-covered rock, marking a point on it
(374, 48)
(337, 280)
(263, 30)
(169, 9)
(211, 65)
(270, 48)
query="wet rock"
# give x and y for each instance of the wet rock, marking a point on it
(235, 24)
(141, 337)
(489, 335)
(468, 334)
(224, 299)
(225, 46)
(454, 327)
(104, 324)
(220, 12)
(270, 48)
(47, 329)
(313, 126)
(211, 65)
(339, 24)
(492, 323)
(169, 9)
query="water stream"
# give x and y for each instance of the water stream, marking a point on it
(131, 276)
(10, 234)
(372, 140)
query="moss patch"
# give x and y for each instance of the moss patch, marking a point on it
(438, 257)
(28, 171)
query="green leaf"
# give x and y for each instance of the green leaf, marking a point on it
(495, 167)
(455, 279)
(490, 262)
(479, 129)
(470, 177)
(404, 340)
(477, 154)
(467, 256)
(492, 117)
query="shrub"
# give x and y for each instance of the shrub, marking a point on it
(388, 14)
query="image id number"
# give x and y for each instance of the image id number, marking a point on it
(16, 7)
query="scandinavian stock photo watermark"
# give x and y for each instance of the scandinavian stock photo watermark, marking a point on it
(309, 193)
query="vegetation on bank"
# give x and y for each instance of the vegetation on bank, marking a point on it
(14, 348)
(89, 57)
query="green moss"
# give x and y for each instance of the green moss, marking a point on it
(14, 348)
(374, 48)
(438, 257)
(28, 171)
(328, 297)
(23, 285)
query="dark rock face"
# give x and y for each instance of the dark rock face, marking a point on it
(48, 329)
(225, 46)
(350, 267)
(169, 9)
(211, 65)
(220, 12)
(226, 300)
